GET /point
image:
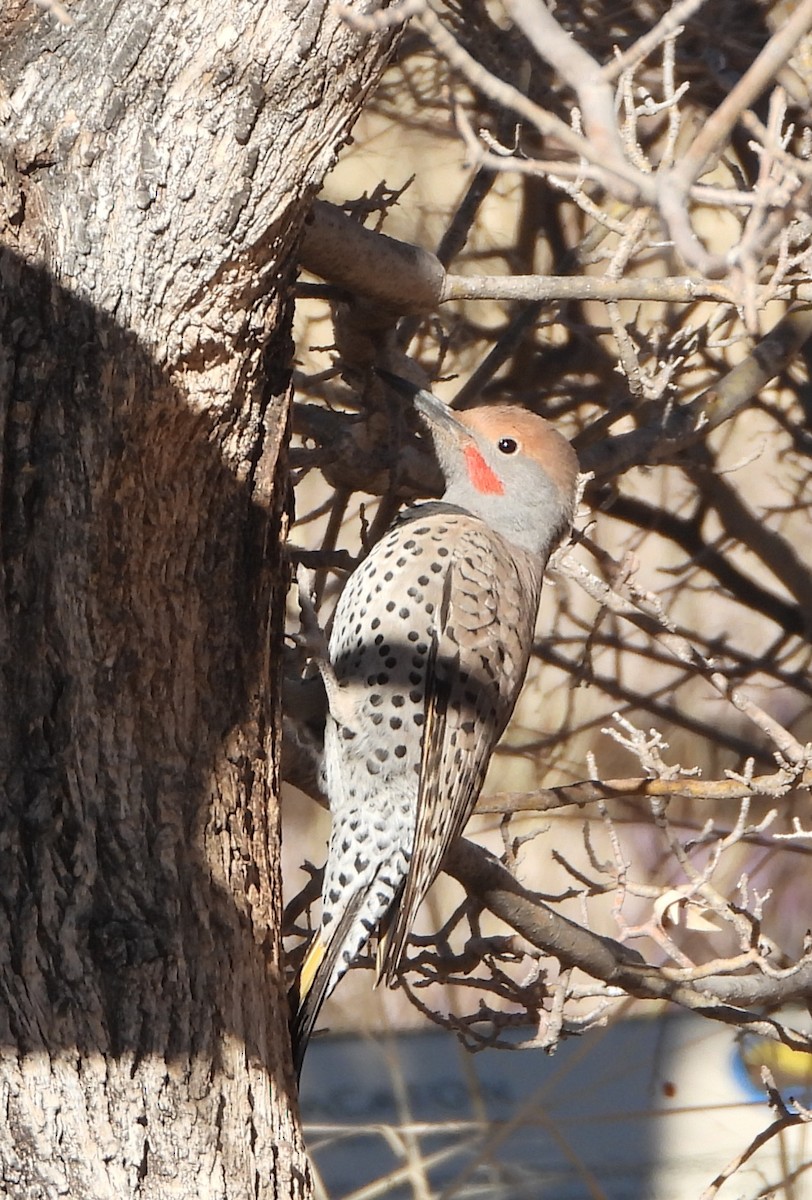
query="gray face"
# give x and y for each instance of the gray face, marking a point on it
(508, 467)
(531, 512)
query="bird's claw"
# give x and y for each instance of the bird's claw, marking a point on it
(312, 640)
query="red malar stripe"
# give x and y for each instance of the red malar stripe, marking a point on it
(481, 475)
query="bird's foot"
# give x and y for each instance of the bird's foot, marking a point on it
(312, 640)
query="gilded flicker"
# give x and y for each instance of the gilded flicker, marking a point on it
(428, 651)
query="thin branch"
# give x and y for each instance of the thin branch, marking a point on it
(668, 25)
(664, 436)
(581, 72)
(579, 795)
(634, 605)
(786, 1121)
(673, 185)
(627, 182)
(676, 289)
(408, 279)
(722, 997)
(716, 129)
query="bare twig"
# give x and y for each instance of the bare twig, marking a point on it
(579, 795)
(666, 27)
(785, 1120)
(639, 606)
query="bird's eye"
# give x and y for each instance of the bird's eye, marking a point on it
(508, 445)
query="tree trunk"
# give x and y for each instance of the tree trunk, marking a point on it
(156, 163)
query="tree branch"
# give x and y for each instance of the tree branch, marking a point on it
(720, 997)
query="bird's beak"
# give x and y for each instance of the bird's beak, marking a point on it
(437, 415)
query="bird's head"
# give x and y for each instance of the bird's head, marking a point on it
(504, 464)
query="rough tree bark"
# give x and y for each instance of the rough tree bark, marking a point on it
(157, 161)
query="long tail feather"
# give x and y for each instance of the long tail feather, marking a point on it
(315, 979)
